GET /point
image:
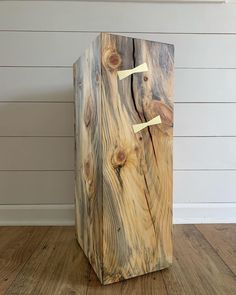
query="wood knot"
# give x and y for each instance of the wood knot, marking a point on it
(119, 158)
(136, 149)
(145, 78)
(97, 77)
(166, 113)
(88, 175)
(88, 113)
(112, 59)
(87, 170)
(154, 108)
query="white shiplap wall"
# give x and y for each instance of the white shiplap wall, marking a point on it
(39, 41)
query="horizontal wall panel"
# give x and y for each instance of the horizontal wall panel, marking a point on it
(204, 119)
(204, 51)
(205, 85)
(199, 186)
(42, 49)
(62, 49)
(87, 16)
(56, 84)
(50, 119)
(36, 84)
(57, 187)
(58, 153)
(205, 153)
(56, 119)
(36, 119)
(36, 187)
(25, 153)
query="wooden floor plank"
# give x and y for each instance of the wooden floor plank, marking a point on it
(222, 238)
(18, 245)
(58, 266)
(95, 287)
(152, 283)
(37, 260)
(197, 268)
(8, 234)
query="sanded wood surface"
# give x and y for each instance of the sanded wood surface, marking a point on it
(49, 261)
(124, 179)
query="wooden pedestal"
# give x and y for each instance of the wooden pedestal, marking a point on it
(124, 179)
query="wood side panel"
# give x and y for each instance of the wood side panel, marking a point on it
(137, 168)
(88, 165)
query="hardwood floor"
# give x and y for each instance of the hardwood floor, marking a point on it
(48, 260)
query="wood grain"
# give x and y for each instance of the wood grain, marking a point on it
(124, 180)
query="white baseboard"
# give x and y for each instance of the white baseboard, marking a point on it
(184, 213)
(187, 213)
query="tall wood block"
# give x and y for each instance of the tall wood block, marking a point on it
(123, 179)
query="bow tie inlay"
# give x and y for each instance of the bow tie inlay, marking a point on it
(154, 121)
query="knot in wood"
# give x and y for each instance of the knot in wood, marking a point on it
(88, 112)
(87, 170)
(166, 113)
(112, 60)
(97, 77)
(136, 149)
(119, 158)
